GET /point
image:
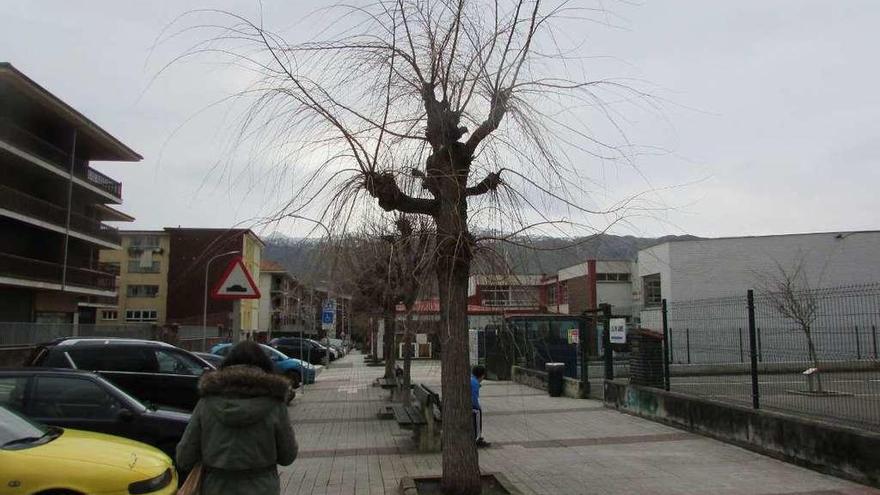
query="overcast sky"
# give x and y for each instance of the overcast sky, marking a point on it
(770, 109)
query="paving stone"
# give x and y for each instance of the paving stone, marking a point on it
(542, 444)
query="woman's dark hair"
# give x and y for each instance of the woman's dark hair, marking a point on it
(247, 353)
(479, 371)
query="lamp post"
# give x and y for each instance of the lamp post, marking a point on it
(205, 306)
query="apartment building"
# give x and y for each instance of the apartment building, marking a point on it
(161, 275)
(53, 205)
(280, 299)
(142, 268)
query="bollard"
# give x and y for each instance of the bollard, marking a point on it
(555, 381)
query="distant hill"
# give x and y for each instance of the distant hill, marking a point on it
(306, 258)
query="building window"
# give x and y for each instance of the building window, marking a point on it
(145, 241)
(135, 266)
(563, 293)
(651, 290)
(551, 294)
(510, 296)
(141, 315)
(612, 277)
(142, 290)
(109, 315)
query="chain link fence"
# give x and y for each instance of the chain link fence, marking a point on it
(811, 353)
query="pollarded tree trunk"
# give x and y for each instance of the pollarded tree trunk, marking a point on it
(388, 343)
(461, 466)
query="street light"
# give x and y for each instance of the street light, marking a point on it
(205, 307)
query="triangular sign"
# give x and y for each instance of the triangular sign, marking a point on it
(236, 283)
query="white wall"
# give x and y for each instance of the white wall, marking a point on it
(617, 294)
(616, 266)
(578, 270)
(724, 267)
(653, 260)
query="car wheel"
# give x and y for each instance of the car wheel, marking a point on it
(294, 378)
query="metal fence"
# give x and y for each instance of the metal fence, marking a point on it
(812, 353)
(194, 338)
(28, 334)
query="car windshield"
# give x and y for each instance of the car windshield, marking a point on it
(16, 430)
(271, 351)
(135, 403)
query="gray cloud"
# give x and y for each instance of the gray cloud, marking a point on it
(770, 109)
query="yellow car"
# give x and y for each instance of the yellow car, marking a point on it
(42, 459)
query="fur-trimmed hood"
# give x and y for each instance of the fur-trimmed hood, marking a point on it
(243, 381)
(241, 395)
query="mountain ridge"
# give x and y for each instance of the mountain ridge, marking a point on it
(307, 259)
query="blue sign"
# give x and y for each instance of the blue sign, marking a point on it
(327, 316)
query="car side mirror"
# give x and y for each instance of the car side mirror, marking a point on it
(126, 415)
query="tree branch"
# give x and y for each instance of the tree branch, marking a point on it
(383, 186)
(489, 183)
(496, 113)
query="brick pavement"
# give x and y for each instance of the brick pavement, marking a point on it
(544, 445)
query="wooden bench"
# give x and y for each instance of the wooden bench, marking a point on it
(426, 432)
(408, 417)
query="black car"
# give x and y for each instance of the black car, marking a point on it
(302, 349)
(153, 372)
(212, 359)
(86, 401)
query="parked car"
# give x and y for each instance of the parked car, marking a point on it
(334, 352)
(294, 369)
(212, 359)
(86, 401)
(339, 345)
(303, 349)
(36, 458)
(153, 372)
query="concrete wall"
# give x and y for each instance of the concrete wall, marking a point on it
(538, 379)
(840, 451)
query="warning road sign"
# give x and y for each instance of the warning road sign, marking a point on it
(236, 283)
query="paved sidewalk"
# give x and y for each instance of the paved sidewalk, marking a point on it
(542, 444)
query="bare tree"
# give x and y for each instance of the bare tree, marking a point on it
(370, 263)
(789, 292)
(451, 109)
(414, 255)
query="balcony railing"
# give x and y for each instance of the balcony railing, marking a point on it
(19, 267)
(505, 303)
(57, 157)
(13, 200)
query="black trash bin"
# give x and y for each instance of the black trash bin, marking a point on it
(555, 372)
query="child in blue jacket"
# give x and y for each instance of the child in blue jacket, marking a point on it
(477, 375)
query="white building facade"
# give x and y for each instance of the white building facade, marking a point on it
(691, 270)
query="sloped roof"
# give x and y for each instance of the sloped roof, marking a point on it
(271, 266)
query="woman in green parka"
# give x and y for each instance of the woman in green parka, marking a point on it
(240, 430)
